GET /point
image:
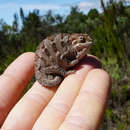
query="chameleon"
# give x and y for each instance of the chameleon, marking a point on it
(57, 54)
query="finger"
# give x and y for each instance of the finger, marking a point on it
(55, 112)
(27, 110)
(25, 113)
(88, 108)
(13, 81)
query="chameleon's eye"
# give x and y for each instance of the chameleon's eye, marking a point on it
(82, 39)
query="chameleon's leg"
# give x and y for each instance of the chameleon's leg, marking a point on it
(69, 72)
(69, 59)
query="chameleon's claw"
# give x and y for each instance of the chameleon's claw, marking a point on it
(69, 72)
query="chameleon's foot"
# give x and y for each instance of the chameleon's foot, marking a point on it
(70, 72)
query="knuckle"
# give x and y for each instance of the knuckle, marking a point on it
(36, 97)
(9, 77)
(96, 94)
(78, 122)
(59, 107)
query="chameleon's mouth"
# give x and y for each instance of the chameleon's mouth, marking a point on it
(89, 43)
(81, 46)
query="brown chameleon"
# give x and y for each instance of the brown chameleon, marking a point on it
(57, 54)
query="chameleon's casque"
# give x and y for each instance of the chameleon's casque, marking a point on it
(57, 54)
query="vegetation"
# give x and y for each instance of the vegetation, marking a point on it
(110, 31)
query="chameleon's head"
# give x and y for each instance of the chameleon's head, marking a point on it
(82, 43)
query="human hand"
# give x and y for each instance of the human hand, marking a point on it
(78, 103)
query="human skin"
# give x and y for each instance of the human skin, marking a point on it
(78, 103)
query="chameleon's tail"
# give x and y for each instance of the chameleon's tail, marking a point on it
(48, 80)
(51, 76)
(51, 82)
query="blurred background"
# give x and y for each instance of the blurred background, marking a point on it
(24, 24)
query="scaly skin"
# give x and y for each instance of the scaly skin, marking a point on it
(57, 54)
